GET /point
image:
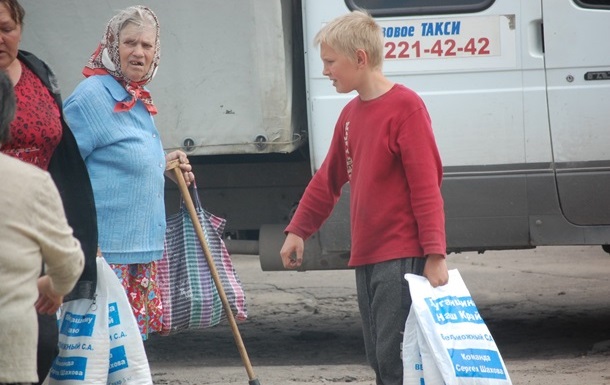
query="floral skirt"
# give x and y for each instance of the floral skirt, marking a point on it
(140, 283)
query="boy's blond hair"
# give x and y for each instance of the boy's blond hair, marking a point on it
(351, 32)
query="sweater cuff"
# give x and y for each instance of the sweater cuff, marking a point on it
(296, 231)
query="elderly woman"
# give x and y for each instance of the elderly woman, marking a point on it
(111, 114)
(33, 230)
(40, 136)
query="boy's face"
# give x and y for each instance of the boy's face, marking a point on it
(340, 69)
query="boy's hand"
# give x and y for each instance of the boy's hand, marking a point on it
(436, 270)
(292, 251)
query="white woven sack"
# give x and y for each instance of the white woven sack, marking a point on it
(128, 363)
(454, 335)
(83, 342)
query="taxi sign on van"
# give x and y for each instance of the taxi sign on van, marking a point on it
(450, 38)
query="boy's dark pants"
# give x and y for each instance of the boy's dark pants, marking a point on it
(384, 301)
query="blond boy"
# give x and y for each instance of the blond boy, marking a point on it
(383, 145)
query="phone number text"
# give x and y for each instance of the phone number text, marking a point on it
(440, 48)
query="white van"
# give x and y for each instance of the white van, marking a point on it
(519, 95)
(518, 92)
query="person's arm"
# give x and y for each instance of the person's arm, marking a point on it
(424, 170)
(316, 204)
(83, 118)
(61, 251)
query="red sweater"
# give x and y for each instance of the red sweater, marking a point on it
(385, 149)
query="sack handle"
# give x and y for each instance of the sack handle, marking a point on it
(194, 195)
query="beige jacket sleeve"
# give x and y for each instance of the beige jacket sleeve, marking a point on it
(61, 251)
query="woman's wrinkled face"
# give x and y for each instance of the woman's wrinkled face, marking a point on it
(10, 36)
(136, 50)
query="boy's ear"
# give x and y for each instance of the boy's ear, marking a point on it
(361, 57)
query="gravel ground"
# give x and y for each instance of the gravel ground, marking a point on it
(547, 308)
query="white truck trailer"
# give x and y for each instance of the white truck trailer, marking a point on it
(518, 92)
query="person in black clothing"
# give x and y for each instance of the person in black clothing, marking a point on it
(39, 135)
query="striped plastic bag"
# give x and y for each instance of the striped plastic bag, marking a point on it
(189, 296)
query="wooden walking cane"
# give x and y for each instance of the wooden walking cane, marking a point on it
(186, 195)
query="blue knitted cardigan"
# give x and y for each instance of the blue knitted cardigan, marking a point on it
(126, 163)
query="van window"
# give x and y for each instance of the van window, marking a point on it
(419, 7)
(593, 3)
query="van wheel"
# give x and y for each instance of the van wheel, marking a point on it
(606, 248)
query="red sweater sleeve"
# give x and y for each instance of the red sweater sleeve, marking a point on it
(424, 172)
(323, 191)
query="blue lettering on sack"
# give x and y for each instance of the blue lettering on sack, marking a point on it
(480, 363)
(75, 346)
(77, 324)
(68, 368)
(113, 315)
(452, 309)
(116, 336)
(118, 359)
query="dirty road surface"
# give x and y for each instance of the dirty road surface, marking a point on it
(547, 308)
